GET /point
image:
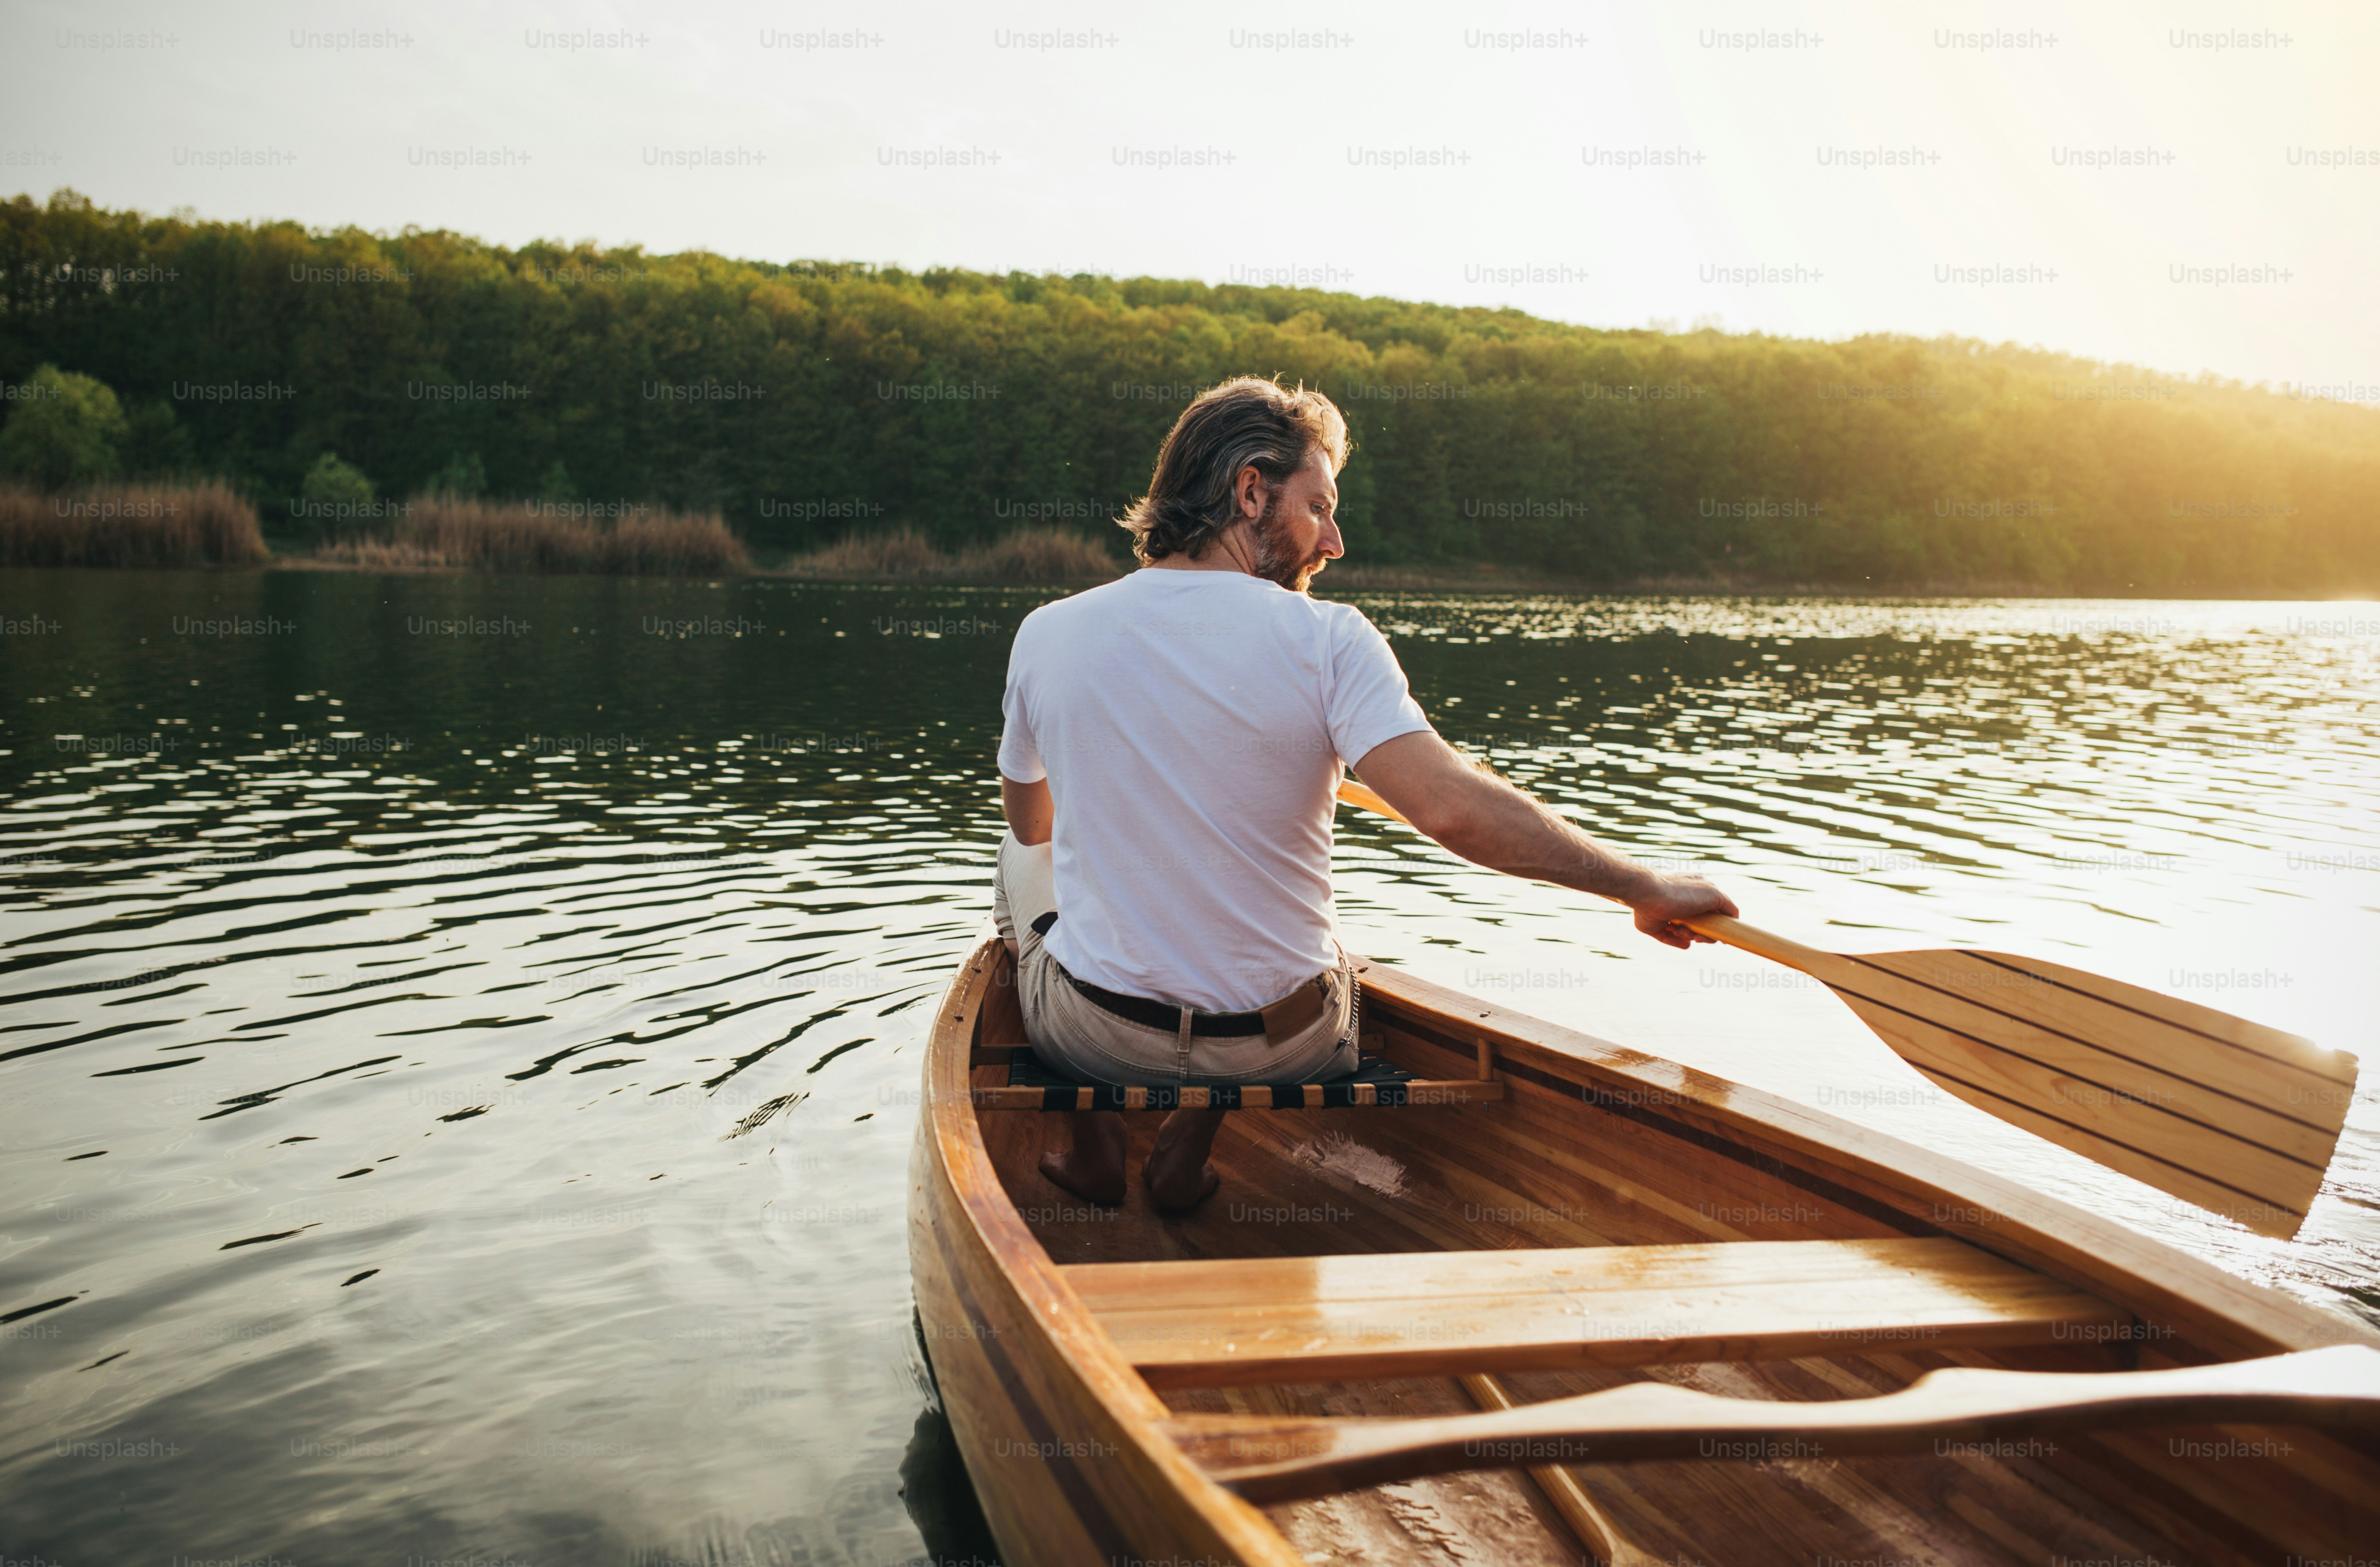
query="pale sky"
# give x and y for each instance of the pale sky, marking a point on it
(1834, 168)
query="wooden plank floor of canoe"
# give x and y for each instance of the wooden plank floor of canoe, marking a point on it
(1316, 1183)
(1273, 1203)
(1488, 1516)
(1297, 1185)
(1474, 1518)
(1541, 1170)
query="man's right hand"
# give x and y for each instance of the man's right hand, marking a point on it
(1675, 898)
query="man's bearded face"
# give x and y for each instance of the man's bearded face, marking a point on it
(1278, 556)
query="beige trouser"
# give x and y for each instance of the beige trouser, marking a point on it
(1074, 1035)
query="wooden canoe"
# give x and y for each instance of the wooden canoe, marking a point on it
(1309, 1368)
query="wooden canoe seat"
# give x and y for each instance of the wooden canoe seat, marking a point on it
(1375, 1084)
(1212, 1323)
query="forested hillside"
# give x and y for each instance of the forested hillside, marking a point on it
(811, 400)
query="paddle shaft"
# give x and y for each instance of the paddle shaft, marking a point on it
(1761, 944)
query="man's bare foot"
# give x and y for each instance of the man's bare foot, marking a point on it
(1093, 1168)
(1178, 1174)
(1180, 1192)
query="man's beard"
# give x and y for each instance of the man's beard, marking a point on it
(1276, 558)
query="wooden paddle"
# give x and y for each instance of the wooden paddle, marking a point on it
(2228, 1114)
(1271, 1459)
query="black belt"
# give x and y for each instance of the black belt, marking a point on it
(1156, 1014)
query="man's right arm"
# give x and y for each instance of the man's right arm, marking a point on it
(1489, 823)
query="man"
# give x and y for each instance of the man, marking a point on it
(1173, 742)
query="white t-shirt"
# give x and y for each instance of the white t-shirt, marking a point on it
(1191, 724)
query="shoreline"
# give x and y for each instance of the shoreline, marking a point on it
(202, 525)
(1329, 584)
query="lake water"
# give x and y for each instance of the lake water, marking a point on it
(458, 1036)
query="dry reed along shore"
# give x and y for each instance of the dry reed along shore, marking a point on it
(130, 524)
(1024, 554)
(202, 525)
(446, 532)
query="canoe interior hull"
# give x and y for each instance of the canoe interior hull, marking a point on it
(1592, 1146)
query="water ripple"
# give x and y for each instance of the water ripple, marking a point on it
(463, 1104)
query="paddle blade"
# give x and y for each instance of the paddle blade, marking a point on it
(2222, 1113)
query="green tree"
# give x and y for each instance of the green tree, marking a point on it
(557, 486)
(335, 489)
(64, 429)
(809, 398)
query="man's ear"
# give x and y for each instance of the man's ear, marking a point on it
(1248, 496)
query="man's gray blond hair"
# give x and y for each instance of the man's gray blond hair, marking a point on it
(1244, 423)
